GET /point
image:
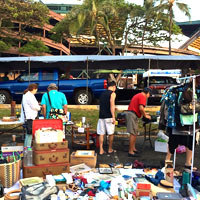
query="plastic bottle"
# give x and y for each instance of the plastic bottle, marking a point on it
(25, 156)
(29, 157)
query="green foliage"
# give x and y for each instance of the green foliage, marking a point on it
(36, 47)
(95, 18)
(4, 46)
(27, 12)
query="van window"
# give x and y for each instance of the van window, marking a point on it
(47, 76)
(171, 81)
(34, 76)
(157, 80)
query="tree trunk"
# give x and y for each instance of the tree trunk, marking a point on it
(99, 49)
(145, 26)
(170, 27)
(113, 50)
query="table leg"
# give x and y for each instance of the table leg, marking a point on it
(11, 129)
(147, 137)
(88, 138)
(150, 135)
(72, 136)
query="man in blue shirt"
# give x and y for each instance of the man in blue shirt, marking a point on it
(58, 100)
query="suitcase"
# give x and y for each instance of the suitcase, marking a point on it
(43, 170)
(50, 146)
(50, 157)
(45, 123)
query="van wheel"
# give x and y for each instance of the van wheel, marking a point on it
(5, 97)
(82, 98)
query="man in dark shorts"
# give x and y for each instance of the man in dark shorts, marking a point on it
(106, 122)
(136, 111)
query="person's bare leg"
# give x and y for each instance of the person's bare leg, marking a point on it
(132, 142)
(101, 138)
(110, 149)
(168, 156)
(188, 157)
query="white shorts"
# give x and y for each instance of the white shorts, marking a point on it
(105, 125)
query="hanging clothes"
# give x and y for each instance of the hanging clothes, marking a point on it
(170, 97)
(178, 127)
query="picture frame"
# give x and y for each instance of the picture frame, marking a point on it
(81, 168)
(105, 170)
(139, 179)
(84, 153)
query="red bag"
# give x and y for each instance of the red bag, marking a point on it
(181, 149)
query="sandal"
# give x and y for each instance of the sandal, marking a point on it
(101, 154)
(188, 168)
(113, 151)
(72, 187)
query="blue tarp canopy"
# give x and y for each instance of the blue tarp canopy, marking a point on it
(100, 62)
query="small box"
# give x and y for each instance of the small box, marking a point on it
(141, 193)
(43, 170)
(144, 186)
(8, 150)
(90, 160)
(50, 146)
(161, 146)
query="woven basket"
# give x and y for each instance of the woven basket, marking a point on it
(10, 172)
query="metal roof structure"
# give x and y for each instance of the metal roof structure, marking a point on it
(100, 62)
(192, 30)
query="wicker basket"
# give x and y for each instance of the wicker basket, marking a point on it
(10, 172)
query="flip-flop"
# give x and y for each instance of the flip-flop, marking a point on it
(133, 155)
(189, 168)
(101, 154)
(113, 151)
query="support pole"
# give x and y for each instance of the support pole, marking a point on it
(148, 72)
(87, 80)
(29, 70)
(194, 125)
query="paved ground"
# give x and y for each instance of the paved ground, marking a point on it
(148, 156)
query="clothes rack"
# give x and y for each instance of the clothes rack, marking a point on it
(193, 78)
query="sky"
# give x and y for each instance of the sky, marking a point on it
(178, 15)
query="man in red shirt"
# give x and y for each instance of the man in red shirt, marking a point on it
(136, 111)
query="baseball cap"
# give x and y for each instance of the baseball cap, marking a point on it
(52, 85)
(147, 90)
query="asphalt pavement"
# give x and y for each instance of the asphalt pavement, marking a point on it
(147, 155)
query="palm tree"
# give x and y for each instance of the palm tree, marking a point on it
(95, 18)
(168, 5)
(151, 11)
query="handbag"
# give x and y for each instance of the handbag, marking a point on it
(28, 124)
(39, 191)
(54, 112)
(121, 118)
(187, 108)
(10, 171)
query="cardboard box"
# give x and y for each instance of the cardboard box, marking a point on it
(90, 161)
(43, 170)
(50, 157)
(50, 146)
(161, 146)
(8, 150)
